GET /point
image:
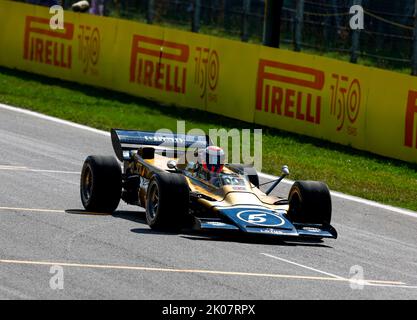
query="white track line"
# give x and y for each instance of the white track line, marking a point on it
(31, 210)
(200, 271)
(53, 119)
(71, 211)
(7, 167)
(372, 283)
(263, 175)
(305, 267)
(26, 169)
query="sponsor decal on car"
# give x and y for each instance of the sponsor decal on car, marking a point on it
(216, 223)
(271, 231)
(239, 188)
(311, 229)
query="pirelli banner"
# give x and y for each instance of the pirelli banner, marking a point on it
(366, 108)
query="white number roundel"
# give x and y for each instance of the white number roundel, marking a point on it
(261, 218)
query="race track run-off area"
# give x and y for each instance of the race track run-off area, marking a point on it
(45, 233)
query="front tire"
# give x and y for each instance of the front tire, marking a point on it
(310, 202)
(167, 201)
(101, 184)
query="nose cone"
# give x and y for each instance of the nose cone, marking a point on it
(256, 219)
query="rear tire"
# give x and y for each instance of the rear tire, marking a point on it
(310, 202)
(167, 201)
(101, 184)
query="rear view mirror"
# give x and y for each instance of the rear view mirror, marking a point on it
(171, 164)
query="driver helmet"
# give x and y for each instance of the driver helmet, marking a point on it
(212, 159)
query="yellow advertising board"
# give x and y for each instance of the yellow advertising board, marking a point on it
(366, 108)
(313, 96)
(391, 118)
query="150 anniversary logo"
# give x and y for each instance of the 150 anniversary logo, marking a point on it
(206, 75)
(345, 102)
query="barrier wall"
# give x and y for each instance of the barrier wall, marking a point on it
(366, 108)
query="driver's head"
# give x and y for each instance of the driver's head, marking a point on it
(212, 159)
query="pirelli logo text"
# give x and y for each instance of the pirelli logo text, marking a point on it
(46, 46)
(410, 139)
(281, 90)
(159, 64)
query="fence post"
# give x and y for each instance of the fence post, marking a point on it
(245, 20)
(298, 26)
(227, 21)
(414, 57)
(151, 11)
(272, 23)
(195, 24)
(355, 39)
(332, 26)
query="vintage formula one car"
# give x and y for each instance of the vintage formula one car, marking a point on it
(204, 193)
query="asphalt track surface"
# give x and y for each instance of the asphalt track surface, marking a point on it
(118, 257)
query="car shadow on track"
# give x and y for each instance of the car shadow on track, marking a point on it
(253, 239)
(135, 216)
(214, 235)
(85, 213)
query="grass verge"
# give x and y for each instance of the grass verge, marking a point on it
(342, 168)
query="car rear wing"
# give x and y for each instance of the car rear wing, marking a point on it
(127, 140)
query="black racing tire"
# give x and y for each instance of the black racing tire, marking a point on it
(101, 184)
(167, 201)
(247, 170)
(310, 202)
